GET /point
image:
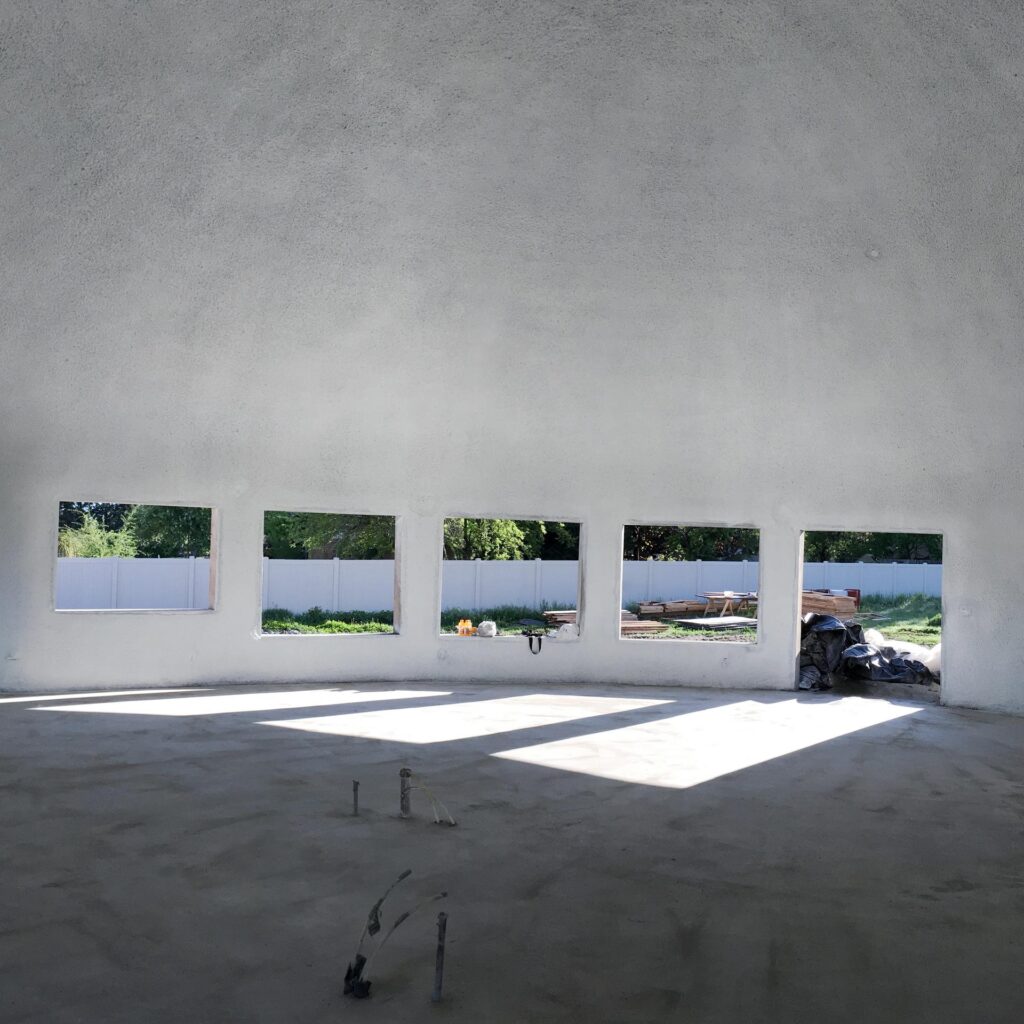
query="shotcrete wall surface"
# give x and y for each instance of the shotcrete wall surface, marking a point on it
(747, 263)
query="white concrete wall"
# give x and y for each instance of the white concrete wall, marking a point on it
(755, 264)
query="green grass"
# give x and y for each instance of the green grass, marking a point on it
(739, 634)
(911, 617)
(914, 618)
(506, 617)
(316, 620)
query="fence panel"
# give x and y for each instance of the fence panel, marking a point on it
(299, 584)
(720, 576)
(365, 584)
(155, 583)
(368, 585)
(458, 585)
(201, 597)
(814, 575)
(559, 584)
(672, 580)
(932, 583)
(85, 583)
(634, 582)
(506, 582)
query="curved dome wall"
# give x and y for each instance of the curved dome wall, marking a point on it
(754, 263)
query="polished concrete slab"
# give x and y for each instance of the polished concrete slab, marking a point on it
(622, 854)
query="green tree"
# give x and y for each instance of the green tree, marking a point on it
(328, 535)
(552, 541)
(497, 539)
(689, 543)
(278, 541)
(170, 531)
(839, 546)
(109, 515)
(511, 539)
(906, 547)
(91, 539)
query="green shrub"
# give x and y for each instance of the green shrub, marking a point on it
(316, 620)
(93, 540)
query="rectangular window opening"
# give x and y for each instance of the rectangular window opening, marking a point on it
(115, 556)
(514, 574)
(886, 589)
(328, 573)
(696, 583)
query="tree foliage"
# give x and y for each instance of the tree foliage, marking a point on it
(170, 531)
(97, 530)
(497, 539)
(877, 547)
(109, 515)
(505, 539)
(103, 529)
(679, 543)
(278, 541)
(91, 539)
(327, 535)
(689, 543)
(330, 535)
(552, 541)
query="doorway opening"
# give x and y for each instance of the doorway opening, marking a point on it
(885, 589)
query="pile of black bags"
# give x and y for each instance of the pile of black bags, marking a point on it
(830, 648)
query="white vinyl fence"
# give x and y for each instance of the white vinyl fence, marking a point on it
(133, 583)
(886, 578)
(368, 585)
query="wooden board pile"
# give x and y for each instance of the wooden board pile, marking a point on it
(719, 622)
(635, 625)
(672, 607)
(558, 618)
(828, 604)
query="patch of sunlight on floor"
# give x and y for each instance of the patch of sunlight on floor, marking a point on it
(688, 749)
(98, 693)
(219, 704)
(447, 722)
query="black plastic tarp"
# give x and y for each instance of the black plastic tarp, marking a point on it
(823, 638)
(882, 665)
(829, 647)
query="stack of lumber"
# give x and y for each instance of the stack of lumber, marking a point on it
(828, 604)
(558, 618)
(635, 625)
(680, 607)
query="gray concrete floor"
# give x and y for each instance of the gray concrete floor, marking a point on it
(622, 855)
